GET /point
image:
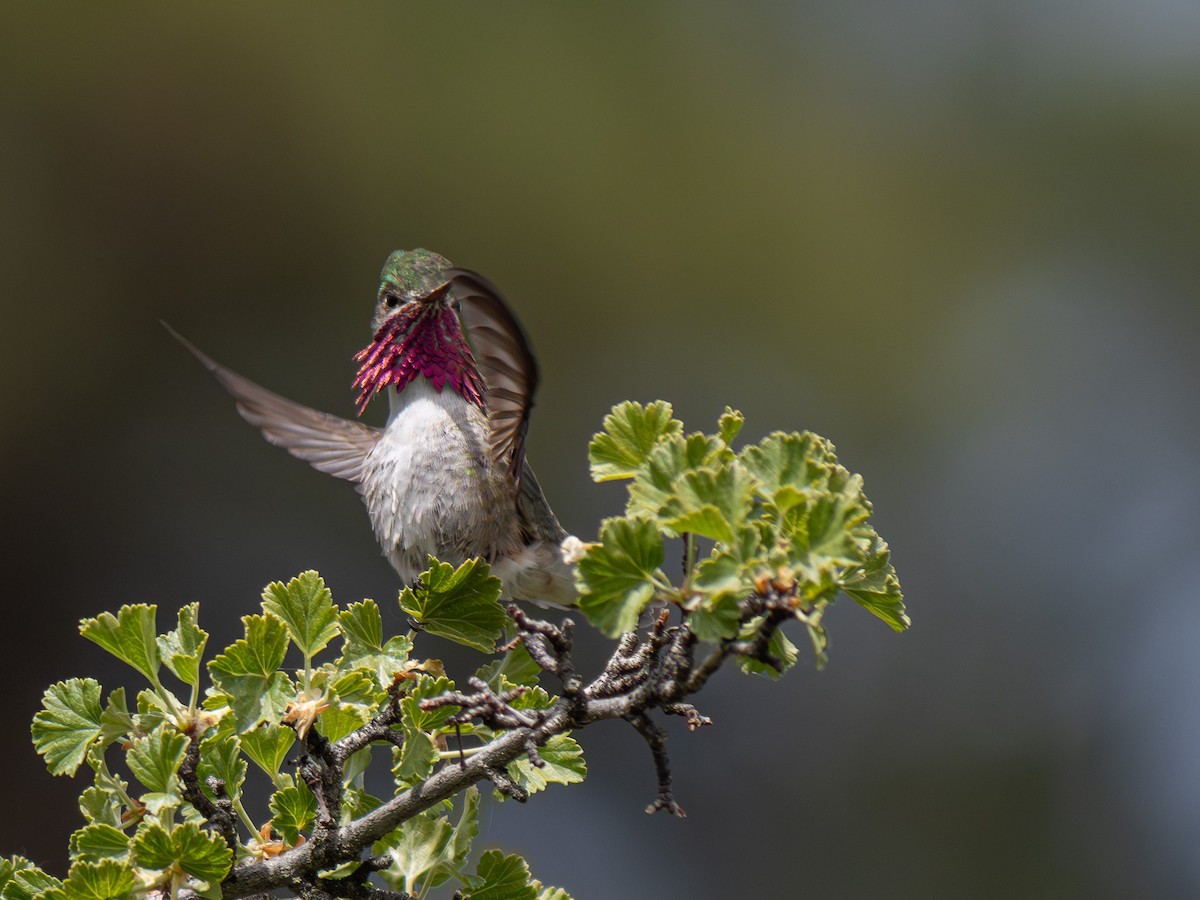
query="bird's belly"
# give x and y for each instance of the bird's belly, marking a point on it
(430, 486)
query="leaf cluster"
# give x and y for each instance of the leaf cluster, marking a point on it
(777, 525)
(167, 808)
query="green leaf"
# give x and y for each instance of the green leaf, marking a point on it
(500, 877)
(358, 687)
(101, 880)
(564, 764)
(340, 719)
(658, 481)
(617, 577)
(550, 893)
(876, 587)
(459, 848)
(712, 503)
(419, 755)
(459, 604)
(130, 636)
(202, 854)
(630, 432)
(426, 687)
(153, 847)
(345, 870)
(115, 721)
(67, 724)
(416, 759)
(801, 462)
(730, 425)
(416, 849)
(516, 665)
(362, 631)
(221, 757)
(182, 648)
(731, 567)
(823, 538)
(246, 673)
(306, 607)
(155, 758)
(779, 647)
(532, 698)
(98, 841)
(293, 810)
(152, 711)
(186, 847)
(101, 807)
(22, 880)
(716, 619)
(268, 746)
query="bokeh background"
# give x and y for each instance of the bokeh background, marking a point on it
(958, 237)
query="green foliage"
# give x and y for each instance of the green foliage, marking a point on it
(251, 713)
(620, 576)
(68, 723)
(771, 534)
(789, 529)
(461, 604)
(306, 606)
(564, 764)
(182, 648)
(247, 674)
(293, 810)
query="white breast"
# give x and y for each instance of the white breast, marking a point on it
(430, 486)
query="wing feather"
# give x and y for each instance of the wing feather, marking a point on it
(506, 363)
(327, 442)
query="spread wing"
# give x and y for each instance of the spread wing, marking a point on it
(329, 443)
(505, 361)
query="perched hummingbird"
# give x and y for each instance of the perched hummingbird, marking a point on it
(447, 474)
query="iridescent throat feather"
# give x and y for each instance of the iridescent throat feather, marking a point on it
(419, 341)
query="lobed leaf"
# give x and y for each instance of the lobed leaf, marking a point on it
(221, 757)
(416, 849)
(70, 720)
(516, 665)
(617, 577)
(564, 764)
(631, 431)
(876, 587)
(657, 482)
(712, 503)
(779, 647)
(268, 746)
(500, 877)
(20, 879)
(729, 425)
(182, 648)
(116, 721)
(185, 847)
(101, 880)
(130, 636)
(247, 672)
(99, 841)
(293, 811)
(364, 648)
(305, 605)
(459, 604)
(156, 757)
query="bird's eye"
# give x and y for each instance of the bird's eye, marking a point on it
(391, 300)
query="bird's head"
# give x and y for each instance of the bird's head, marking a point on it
(417, 331)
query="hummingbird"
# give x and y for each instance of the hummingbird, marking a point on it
(447, 475)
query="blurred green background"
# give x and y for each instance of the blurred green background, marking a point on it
(957, 238)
